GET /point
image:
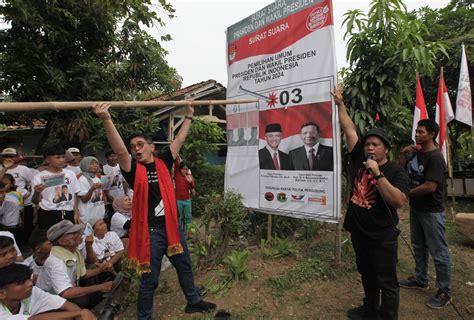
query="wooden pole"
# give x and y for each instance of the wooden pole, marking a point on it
(269, 228)
(338, 244)
(75, 105)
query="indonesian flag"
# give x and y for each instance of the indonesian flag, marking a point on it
(420, 107)
(464, 98)
(444, 114)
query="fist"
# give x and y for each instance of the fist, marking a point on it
(102, 110)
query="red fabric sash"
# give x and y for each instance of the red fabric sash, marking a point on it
(139, 244)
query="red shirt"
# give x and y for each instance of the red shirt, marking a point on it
(182, 186)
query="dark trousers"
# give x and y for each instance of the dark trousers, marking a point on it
(27, 225)
(377, 264)
(149, 281)
(48, 218)
(88, 301)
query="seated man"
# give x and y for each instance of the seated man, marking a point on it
(41, 247)
(9, 252)
(106, 245)
(65, 267)
(19, 299)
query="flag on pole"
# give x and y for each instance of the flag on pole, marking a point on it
(443, 116)
(464, 98)
(420, 107)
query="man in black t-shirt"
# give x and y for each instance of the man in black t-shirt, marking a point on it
(158, 207)
(426, 170)
(379, 188)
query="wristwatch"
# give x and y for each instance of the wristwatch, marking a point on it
(381, 175)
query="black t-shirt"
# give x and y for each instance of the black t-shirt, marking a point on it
(154, 194)
(427, 166)
(367, 213)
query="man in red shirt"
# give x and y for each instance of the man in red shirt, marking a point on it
(184, 186)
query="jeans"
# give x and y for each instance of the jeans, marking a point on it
(427, 236)
(184, 212)
(377, 264)
(149, 281)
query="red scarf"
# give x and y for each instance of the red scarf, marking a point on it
(139, 245)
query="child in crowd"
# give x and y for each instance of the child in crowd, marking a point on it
(9, 251)
(41, 247)
(11, 206)
(121, 219)
(54, 208)
(20, 299)
(92, 197)
(106, 245)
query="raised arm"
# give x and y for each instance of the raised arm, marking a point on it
(113, 136)
(183, 131)
(347, 124)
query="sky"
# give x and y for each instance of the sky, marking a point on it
(197, 50)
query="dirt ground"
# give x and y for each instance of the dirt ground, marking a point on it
(319, 298)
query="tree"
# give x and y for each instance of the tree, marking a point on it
(81, 50)
(385, 47)
(454, 25)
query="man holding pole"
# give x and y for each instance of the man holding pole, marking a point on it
(426, 170)
(379, 188)
(154, 230)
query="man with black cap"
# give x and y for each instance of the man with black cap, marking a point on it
(379, 188)
(270, 157)
(312, 155)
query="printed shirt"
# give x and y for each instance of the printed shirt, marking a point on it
(61, 195)
(95, 207)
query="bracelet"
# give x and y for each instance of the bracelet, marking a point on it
(381, 175)
(188, 117)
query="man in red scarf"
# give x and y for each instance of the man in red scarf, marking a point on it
(154, 230)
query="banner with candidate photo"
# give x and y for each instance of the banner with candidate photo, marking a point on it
(283, 152)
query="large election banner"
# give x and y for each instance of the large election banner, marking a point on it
(283, 152)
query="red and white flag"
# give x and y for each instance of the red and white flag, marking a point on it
(464, 98)
(444, 114)
(420, 107)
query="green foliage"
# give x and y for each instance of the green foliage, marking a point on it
(199, 249)
(209, 179)
(384, 48)
(201, 141)
(237, 265)
(82, 50)
(278, 248)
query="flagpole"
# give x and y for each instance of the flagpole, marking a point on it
(450, 164)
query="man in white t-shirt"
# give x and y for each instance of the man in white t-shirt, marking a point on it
(20, 300)
(55, 190)
(73, 165)
(23, 177)
(106, 246)
(65, 266)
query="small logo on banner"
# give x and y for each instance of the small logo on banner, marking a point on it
(317, 18)
(297, 197)
(232, 52)
(281, 197)
(318, 199)
(269, 196)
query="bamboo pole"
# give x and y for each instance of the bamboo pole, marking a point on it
(75, 105)
(338, 244)
(269, 228)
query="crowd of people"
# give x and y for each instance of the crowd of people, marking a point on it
(71, 218)
(78, 218)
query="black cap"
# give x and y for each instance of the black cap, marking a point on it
(378, 133)
(273, 127)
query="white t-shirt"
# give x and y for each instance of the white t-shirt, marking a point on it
(116, 190)
(30, 262)
(37, 303)
(59, 196)
(77, 170)
(56, 276)
(10, 209)
(23, 177)
(106, 247)
(95, 207)
(10, 235)
(117, 222)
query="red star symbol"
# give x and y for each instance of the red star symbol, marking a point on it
(272, 100)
